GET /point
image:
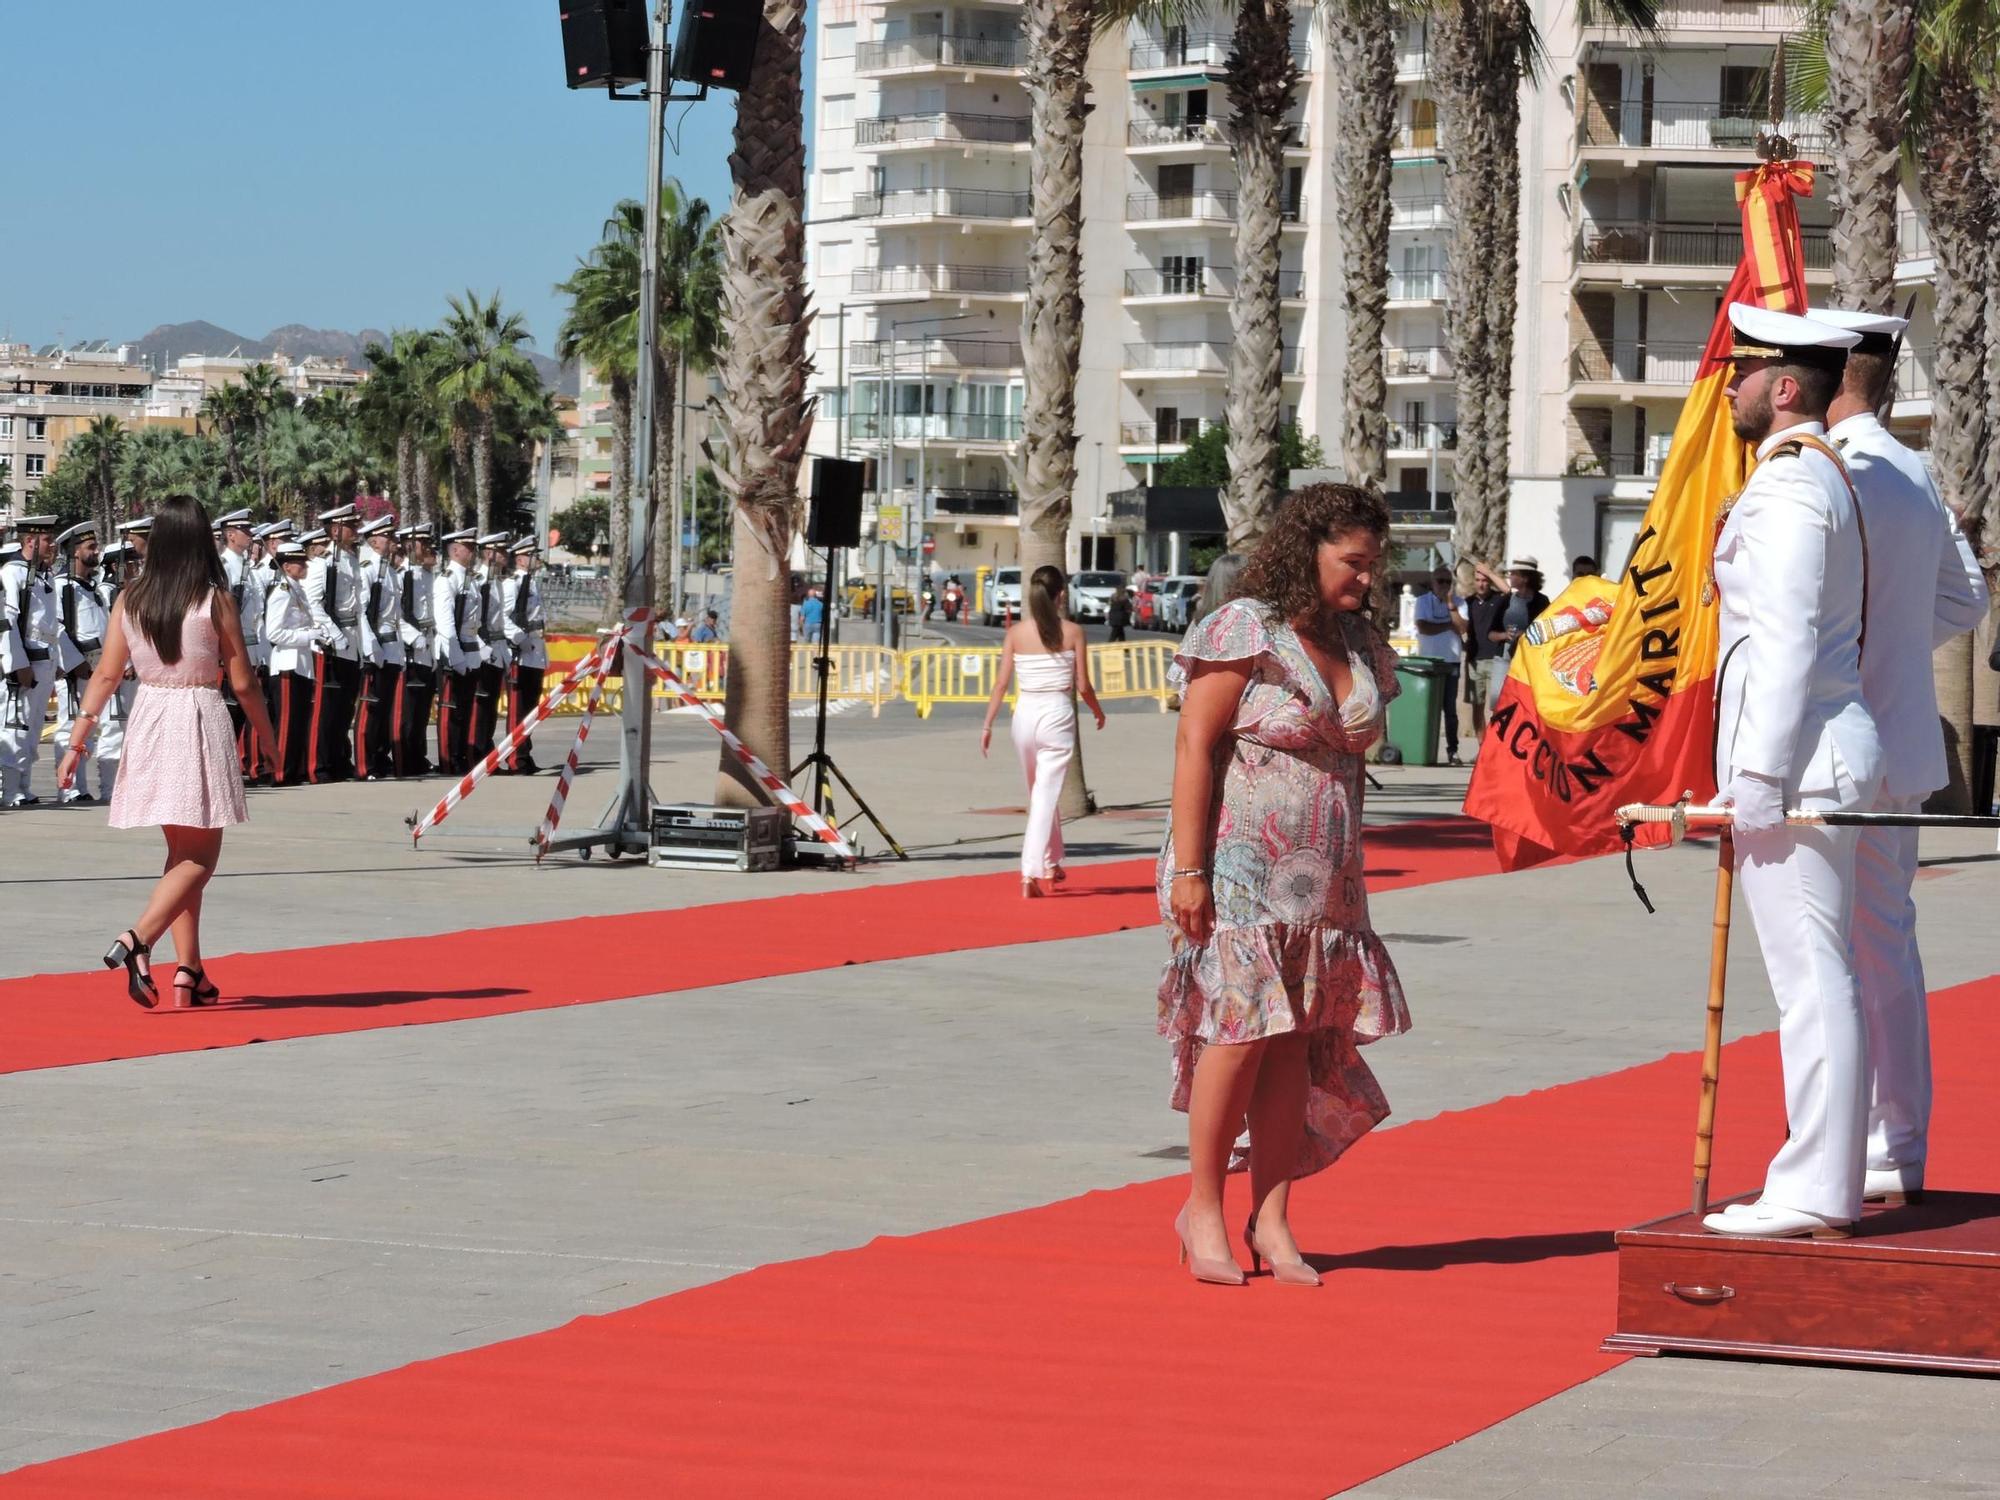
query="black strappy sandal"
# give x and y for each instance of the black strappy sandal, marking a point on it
(127, 951)
(204, 993)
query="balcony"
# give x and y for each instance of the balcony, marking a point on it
(1201, 281)
(1734, 17)
(1916, 372)
(1207, 51)
(1422, 437)
(1159, 436)
(1416, 286)
(1913, 238)
(955, 501)
(1424, 363)
(1412, 137)
(929, 281)
(919, 53)
(865, 427)
(1645, 242)
(1413, 508)
(1418, 213)
(1635, 362)
(1209, 131)
(938, 352)
(944, 203)
(1618, 463)
(1413, 61)
(1637, 125)
(943, 129)
(1205, 207)
(1193, 357)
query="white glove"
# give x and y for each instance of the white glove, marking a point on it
(1758, 802)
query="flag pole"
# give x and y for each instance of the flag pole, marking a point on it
(1711, 1051)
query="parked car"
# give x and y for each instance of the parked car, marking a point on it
(1178, 595)
(1090, 594)
(1003, 596)
(860, 600)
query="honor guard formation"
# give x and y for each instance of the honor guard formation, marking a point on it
(357, 631)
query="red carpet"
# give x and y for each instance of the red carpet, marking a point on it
(1059, 1352)
(51, 1021)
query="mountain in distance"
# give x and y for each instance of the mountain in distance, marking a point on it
(170, 341)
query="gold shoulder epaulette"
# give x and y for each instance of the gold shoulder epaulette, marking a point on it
(1791, 448)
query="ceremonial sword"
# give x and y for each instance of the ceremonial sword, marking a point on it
(1682, 813)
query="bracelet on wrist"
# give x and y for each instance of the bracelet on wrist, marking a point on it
(1196, 872)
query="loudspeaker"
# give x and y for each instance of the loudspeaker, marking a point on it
(835, 517)
(604, 42)
(717, 42)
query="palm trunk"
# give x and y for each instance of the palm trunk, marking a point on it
(1870, 47)
(1260, 79)
(263, 469)
(1951, 175)
(621, 490)
(482, 467)
(766, 414)
(1364, 50)
(409, 500)
(461, 471)
(425, 478)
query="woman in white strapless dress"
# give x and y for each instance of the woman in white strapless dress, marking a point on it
(1043, 651)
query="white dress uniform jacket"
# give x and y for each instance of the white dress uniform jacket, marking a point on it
(338, 597)
(1791, 569)
(31, 637)
(293, 634)
(455, 613)
(243, 590)
(384, 608)
(526, 621)
(1925, 588)
(86, 621)
(491, 593)
(416, 586)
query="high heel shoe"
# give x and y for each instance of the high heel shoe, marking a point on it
(1030, 888)
(127, 951)
(204, 993)
(1218, 1272)
(1288, 1272)
(1056, 875)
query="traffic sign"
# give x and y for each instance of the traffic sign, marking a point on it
(889, 524)
(930, 544)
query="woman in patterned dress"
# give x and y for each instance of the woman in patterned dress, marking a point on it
(1276, 975)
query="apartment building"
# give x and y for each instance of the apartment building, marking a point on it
(1630, 233)
(313, 375)
(47, 398)
(917, 253)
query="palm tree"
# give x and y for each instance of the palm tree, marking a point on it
(264, 395)
(765, 412)
(484, 370)
(1364, 35)
(97, 449)
(1261, 78)
(690, 335)
(602, 331)
(226, 410)
(391, 409)
(1481, 52)
(1870, 49)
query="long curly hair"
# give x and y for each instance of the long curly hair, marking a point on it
(1283, 573)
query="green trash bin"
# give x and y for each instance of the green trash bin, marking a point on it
(1415, 715)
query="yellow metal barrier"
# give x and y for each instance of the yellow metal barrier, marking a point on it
(863, 674)
(964, 674)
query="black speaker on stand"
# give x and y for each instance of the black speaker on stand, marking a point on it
(834, 522)
(604, 43)
(717, 43)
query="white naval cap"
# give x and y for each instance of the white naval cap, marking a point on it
(317, 534)
(270, 529)
(495, 539)
(290, 551)
(1765, 334)
(467, 535)
(234, 518)
(82, 531)
(340, 513)
(1878, 331)
(117, 552)
(137, 526)
(36, 523)
(9, 551)
(380, 524)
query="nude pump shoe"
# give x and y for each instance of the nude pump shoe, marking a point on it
(1218, 1272)
(1285, 1272)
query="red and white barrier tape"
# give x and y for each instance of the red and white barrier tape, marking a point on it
(781, 793)
(554, 815)
(520, 732)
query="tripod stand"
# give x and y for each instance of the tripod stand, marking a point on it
(820, 760)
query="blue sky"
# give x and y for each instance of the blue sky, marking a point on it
(338, 163)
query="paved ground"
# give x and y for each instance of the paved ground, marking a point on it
(182, 1236)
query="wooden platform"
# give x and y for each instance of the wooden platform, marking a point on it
(1915, 1287)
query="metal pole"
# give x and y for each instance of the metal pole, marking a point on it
(885, 490)
(922, 499)
(635, 747)
(676, 568)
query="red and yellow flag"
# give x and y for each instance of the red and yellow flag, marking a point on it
(1615, 702)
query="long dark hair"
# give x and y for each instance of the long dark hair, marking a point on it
(181, 571)
(1045, 587)
(1284, 570)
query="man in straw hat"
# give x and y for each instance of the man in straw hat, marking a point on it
(1793, 730)
(1925, 587)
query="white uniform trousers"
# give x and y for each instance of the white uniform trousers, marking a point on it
(1044, 731)
(1798, 883)
(23, 712)
(1893, 1006)
(107, 740)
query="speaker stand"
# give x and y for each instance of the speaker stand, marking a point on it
(820, 761)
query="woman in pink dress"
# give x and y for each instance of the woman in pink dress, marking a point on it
(1277, 975)
(176, 625)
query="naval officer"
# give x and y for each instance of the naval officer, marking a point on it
(456, 611)
(1793, 731)
(80, 604)
(34, 652)
(1924, 588)
(335, 590)
(382, 690)
(527, 618)
(418, 584)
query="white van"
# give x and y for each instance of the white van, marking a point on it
(1003, 596)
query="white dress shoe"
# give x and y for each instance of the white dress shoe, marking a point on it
(1894, 1185)
(1770, 1222)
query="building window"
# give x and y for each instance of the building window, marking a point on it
(38, 465)
(837, 112)
(6, 427)
(38, 429)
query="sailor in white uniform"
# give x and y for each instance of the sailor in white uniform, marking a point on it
(1793, 731)
(1925, 587)
(455, 608)
(34, 652)
(85, 619)
(527, 619)
(233, 533)
(382, 687)
(338, 598)
(495, 656)
(418, 583)
(291, 670)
